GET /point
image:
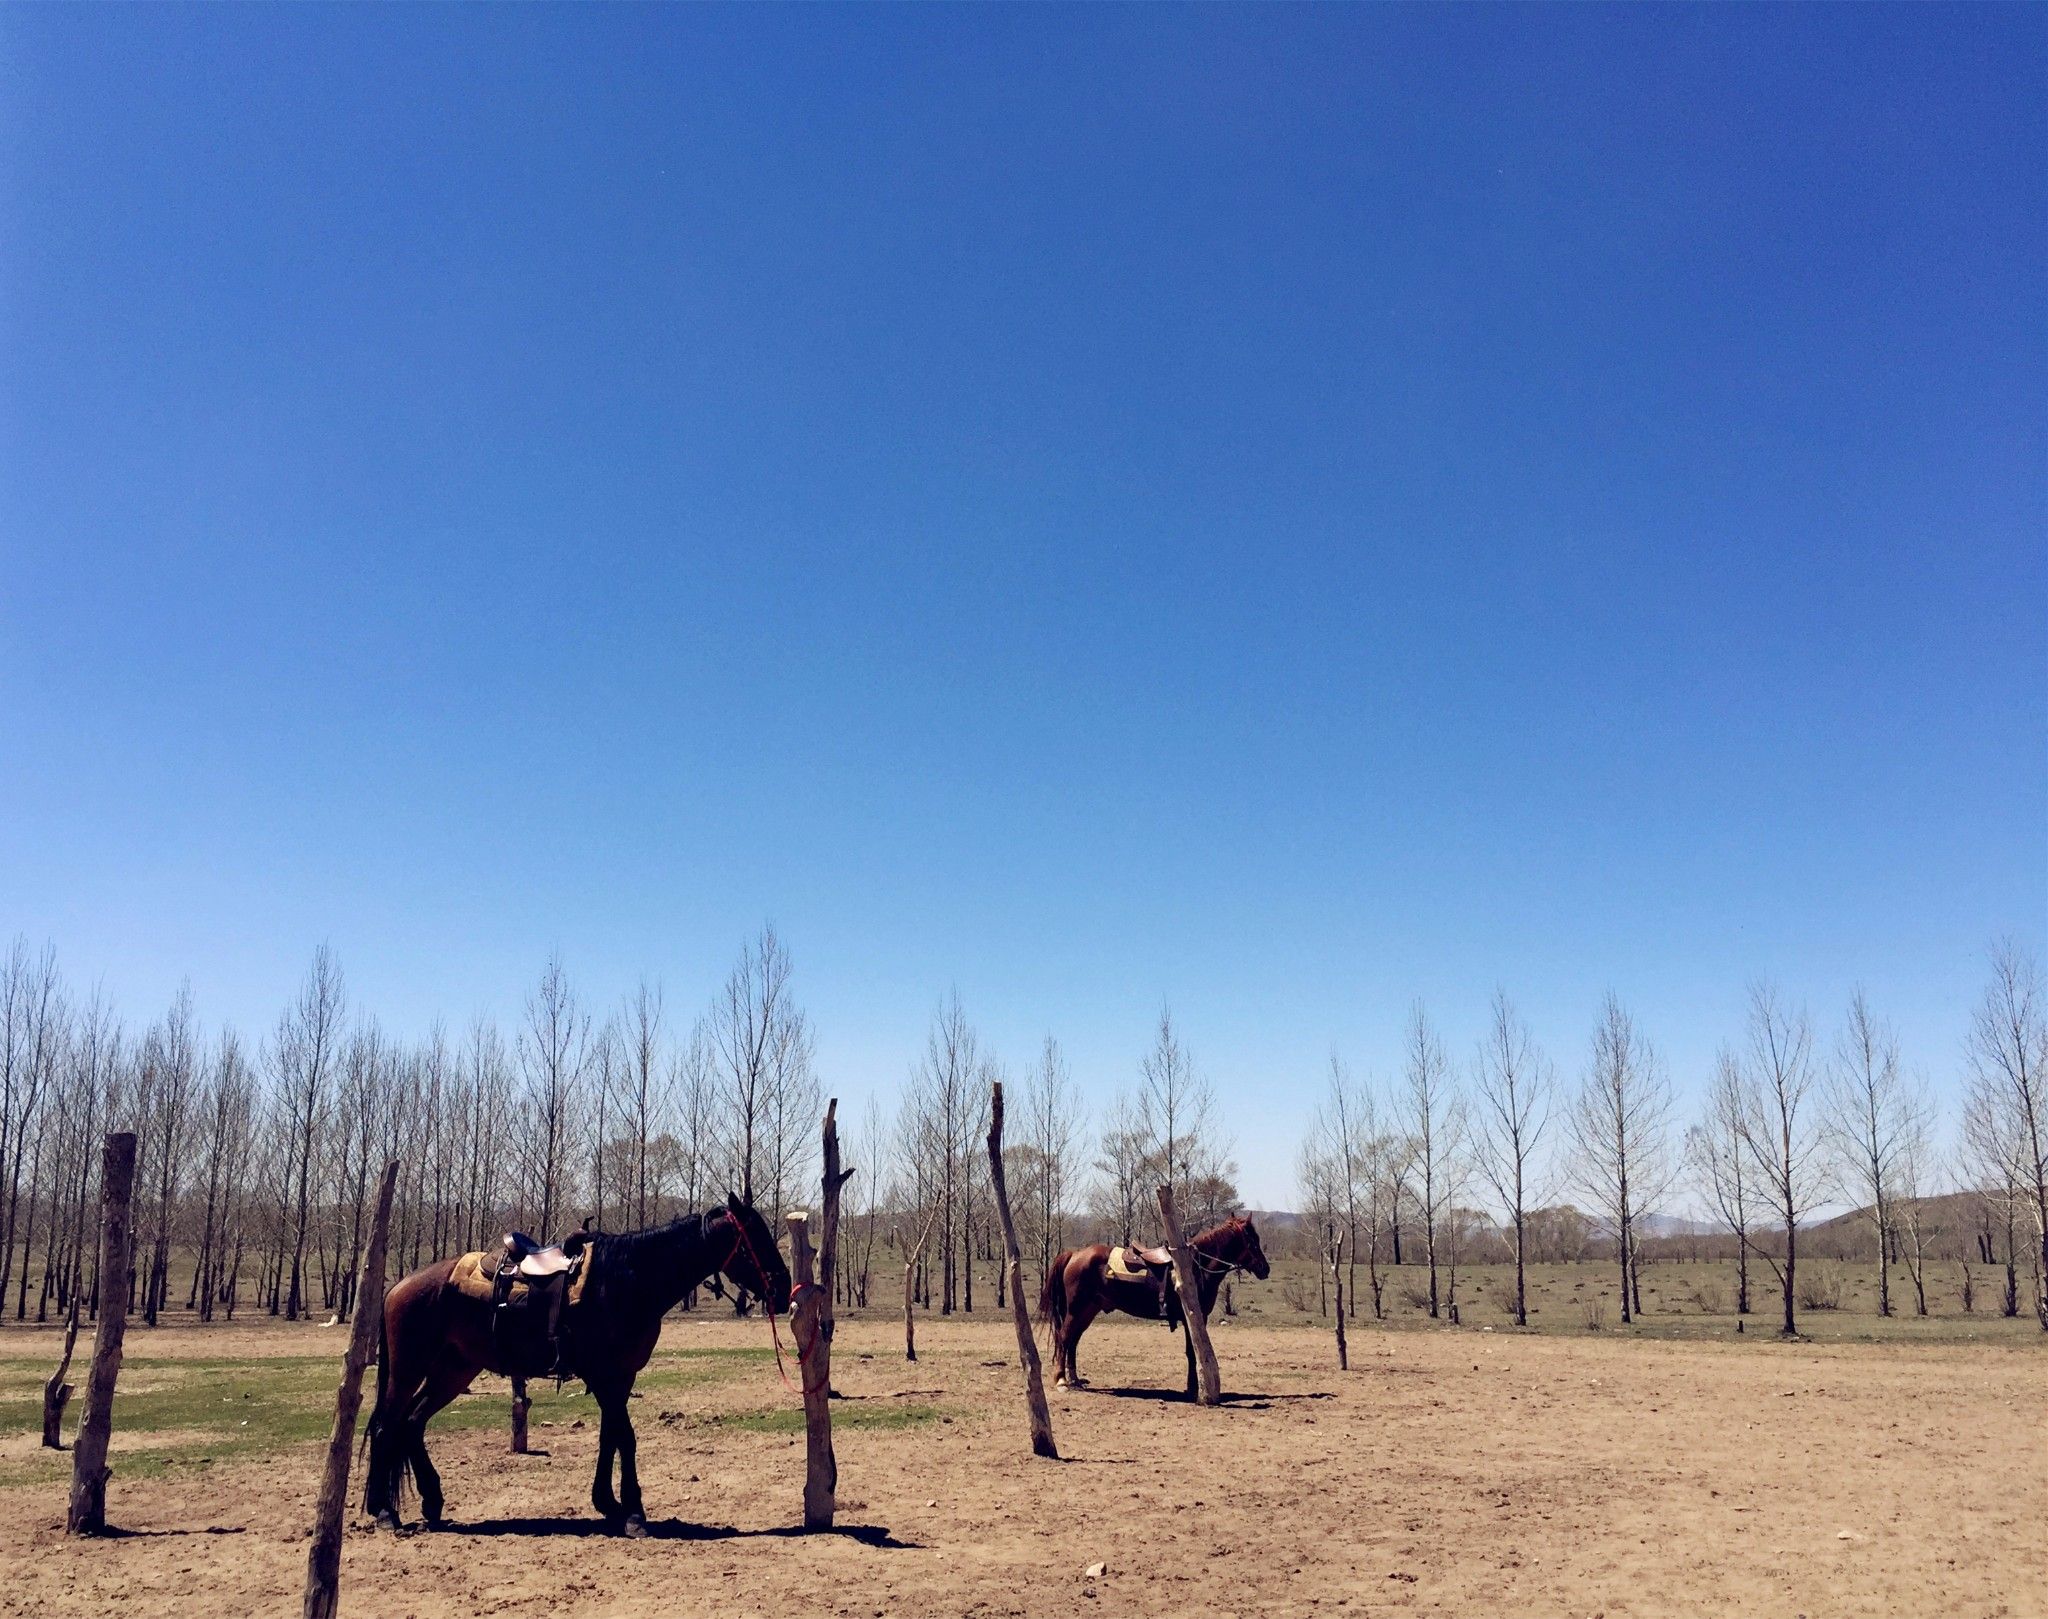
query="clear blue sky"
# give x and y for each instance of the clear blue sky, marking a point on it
(1277, 511)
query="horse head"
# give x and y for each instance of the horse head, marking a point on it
(1249, 1254)
(756, 1263)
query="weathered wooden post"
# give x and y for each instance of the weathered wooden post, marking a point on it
(1013, 1264)
(1209, 1386)
(88, 1514)
(57, 1392)
(1333, 1251)
(520, 1406)
(807, 1325)
(323, 1562)
(910, 1282)
(828, 1239)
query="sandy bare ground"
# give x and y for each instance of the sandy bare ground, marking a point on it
(1454, 1471)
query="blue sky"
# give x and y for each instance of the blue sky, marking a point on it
(1280, 512)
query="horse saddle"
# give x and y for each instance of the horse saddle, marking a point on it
(531, 1259)
(529, 1287)
(1136, 1263)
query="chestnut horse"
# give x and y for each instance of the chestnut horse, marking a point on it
(436, 1338)
(1079, 1287)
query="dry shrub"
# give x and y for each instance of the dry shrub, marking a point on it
(1820, 1288)
(1415, 1295)
(1710, 1298)
(1593, 1312)
(1294, 1293)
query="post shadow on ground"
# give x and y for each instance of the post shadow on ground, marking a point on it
(1250, 1401)
(868, 1534)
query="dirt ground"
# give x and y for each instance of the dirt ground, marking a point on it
(1449, 1471)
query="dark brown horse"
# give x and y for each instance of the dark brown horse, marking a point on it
(437, 1337)
(1079, 1287)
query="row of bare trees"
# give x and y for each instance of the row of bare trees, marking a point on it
(256, 1166)
(1786, 1131)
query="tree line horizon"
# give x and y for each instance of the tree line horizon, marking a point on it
(257, 1161)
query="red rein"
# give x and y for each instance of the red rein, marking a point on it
(741, 1239)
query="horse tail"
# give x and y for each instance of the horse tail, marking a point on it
(1052, 1296)
(381, 1431)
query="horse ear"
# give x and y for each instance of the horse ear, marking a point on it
(732, 1202)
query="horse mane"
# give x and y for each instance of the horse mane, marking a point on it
(623, 1247)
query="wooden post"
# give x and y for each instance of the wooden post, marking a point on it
(1333, 1251)
(806, 1325)
(323, 1562)
(909, 1282)
(828, 1239)
(88, 1514)
(1027, 1346)
(520, 1405)
(57, 1392)
(1210, 1381)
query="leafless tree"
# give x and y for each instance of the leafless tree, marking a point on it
(1722, 1163)
(951, 1082)
(1051, 1137)
(646, 1100)
(1343, 1144)
(1869, 1118)
(751, 1029)
(554, 1055)
(1435, 1126)
(2007, 1103)
(1125, 1167)
(302, 1060)
(1513, 1081)
(1178, 1103)
(1780, 1128)
(1620, 1121)
(31, 1037)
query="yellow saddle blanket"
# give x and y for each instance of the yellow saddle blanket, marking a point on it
(473, 1275)
(1125, 1265)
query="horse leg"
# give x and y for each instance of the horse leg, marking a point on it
(627, 1444)
(450, 1376)
(1078, 1323)
(608, 1414)
(1187, 1339)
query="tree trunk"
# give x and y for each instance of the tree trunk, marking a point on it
(806, 1324)
(1209, 1381)
(1333, 1246)
(323, 1561)
(1027, 1345)
(88, 1514)
(57, 1392)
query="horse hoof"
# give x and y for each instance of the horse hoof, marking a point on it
(634, 1528)
(387, 1519)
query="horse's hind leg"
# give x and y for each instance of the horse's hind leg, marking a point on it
(615, 1438)
(449, 1378)
(1077, 1323)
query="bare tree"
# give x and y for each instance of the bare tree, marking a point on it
(302, 1059)
(554, 1054)
(1780, 1131)
(646, 1101)
(1343, 1141)
(1869, 1117)
(1620, 1122)
(2007, 1105)
(1513, 1081)
(750, 1029)
(1124, 1167)
(1435, 1124)
(1178, 1103)
(1052, 1130)
(949, 1082)
(1722, 1163)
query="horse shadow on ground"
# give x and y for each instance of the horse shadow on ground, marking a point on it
(868, 1534)
(1248, 1402)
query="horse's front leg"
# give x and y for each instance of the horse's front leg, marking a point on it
(1187, 1339)
(601, 1495)
(628, 1445)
